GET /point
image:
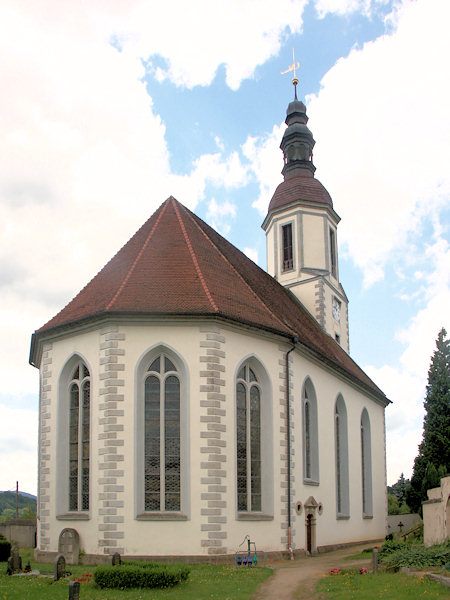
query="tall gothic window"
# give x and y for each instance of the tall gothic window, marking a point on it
(341, 458)
(162, 436)
(310, 434)
(366, 465)
(248, 441)
(79, 438)
(333, 253)
(288, 250)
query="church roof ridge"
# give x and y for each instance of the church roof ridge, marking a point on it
(138, 257)
(193, 255)
(165, 271)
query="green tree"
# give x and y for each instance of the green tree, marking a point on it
(399, 489)
(433, 460)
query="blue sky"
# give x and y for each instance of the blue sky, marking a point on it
(111, 107)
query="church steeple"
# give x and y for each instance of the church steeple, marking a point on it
(297, 143)
(301, 229)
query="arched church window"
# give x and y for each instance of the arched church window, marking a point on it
(310, 434)
(79, 438)
(341, 458)
(248, 441)
(162, 436)
(288, 247)
(366, 464)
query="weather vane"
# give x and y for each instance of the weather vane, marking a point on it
(295, 65)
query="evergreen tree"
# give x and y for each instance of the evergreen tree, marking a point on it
(399, 489)
(433, 460)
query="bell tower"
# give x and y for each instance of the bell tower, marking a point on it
(301, 231)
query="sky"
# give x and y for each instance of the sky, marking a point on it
(109, 107)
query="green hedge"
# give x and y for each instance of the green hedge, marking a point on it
(417, 555)
(140, 575)
(5, 550)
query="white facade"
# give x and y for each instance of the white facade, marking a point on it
(208, 355)
(314, 275)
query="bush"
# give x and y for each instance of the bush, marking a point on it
(5, 550)
(140, 575)
(417, 555)
(390, 546)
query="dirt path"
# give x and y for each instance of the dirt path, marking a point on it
(296, 580)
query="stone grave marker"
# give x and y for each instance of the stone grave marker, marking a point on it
(15, 560)
(74, 590)
(115, 559)
(59, 567)
(375, 560)
(69, 545)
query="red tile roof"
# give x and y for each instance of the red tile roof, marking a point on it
(177, 265)
(299, 188)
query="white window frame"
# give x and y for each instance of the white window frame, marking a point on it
(341, 459)
(142, 372)
(366, 465)
(65, 380)
(310, 437)
(267, 492)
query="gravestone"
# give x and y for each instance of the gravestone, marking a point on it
(375, 560)
(115, 559)
(59, 567)
(69, 545)
(15, 560)
(74, 590)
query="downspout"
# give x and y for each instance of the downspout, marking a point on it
(288, 423)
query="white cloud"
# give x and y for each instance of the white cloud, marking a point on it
(226, 209)
(18, 448)
(345, 7)
(405, 382)
(252, 253)
(194, 37)
(266, 162)
(382, 124)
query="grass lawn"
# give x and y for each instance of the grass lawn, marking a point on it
(205, 581)
(395, 586)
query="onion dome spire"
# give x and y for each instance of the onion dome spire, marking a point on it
(297, 143)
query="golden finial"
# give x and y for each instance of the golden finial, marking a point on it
(295, 65)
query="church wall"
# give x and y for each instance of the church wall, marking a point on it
(313, 241)
(331, 325)
(209, 357)
(329, 529)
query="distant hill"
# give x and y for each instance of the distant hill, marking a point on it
(8, 500)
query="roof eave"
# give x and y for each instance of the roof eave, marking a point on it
(300, 202)
(39, 336)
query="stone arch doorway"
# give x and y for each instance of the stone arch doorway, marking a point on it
(309, 533)
(69, 545)
(311, 511)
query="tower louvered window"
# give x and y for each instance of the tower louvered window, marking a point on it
(162, 436)
(248, 441)
(79, 438)
(288, 251)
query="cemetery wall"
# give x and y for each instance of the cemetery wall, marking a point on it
(22, 531)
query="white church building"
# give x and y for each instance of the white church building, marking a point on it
(188, 398)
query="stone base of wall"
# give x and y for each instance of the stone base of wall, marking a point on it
(332, 547)
(196, 559)
(193, 559)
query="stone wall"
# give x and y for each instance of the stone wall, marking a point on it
(22, 531)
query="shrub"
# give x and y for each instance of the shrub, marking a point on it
(390, 546)
(5, 550)
(417, 555)
(140, 575)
